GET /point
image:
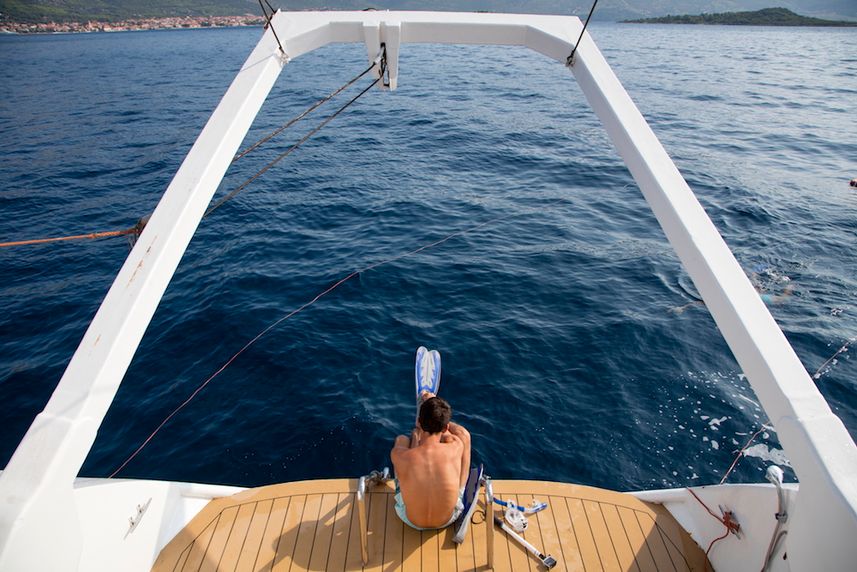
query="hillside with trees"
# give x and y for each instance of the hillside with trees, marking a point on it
(765, 17)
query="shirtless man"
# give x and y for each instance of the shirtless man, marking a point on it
(431, 467)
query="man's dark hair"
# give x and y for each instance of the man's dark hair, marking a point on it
(435, 414)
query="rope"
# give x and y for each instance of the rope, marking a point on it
(91, 235)
(306, 112)
(726, 520)
(134, 230)
(570, 60)
(269, 25)
(741, 453)
(298, 310)
(288, 151)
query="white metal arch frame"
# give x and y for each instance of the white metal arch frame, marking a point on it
(36, 495)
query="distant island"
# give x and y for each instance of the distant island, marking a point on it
(766, 17)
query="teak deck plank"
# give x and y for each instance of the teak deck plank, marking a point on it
(271, 537)
(642, 552)
(218, 540)
(393, 542)
(447, 554)
(237, 537)
(341, 530)
(429, 550)
(583, 532)
(289, 535)
(377, 505)
(627, 561)
(313, 525)
(255, 533)
(478, 538)
(324, 532)
(570, 551)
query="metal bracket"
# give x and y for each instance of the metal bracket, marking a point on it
(135, 520)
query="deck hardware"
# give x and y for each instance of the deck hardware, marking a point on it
(135, 520)
(489, 518)
(774, 474)
(370, 480)
(727, 517)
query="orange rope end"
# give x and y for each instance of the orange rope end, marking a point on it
(92, 235)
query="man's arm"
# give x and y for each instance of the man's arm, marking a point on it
(462, 435)
(399, 446)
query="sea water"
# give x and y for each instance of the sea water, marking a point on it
(574, 347)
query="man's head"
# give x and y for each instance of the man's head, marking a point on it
(435, 414)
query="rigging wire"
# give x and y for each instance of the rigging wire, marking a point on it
(741, 452)
(137, 229)
(303, 114)
(268, 23)
(303, 140)
(570, 60)
(767, 424)
(294, 312)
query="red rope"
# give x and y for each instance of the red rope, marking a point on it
(726, 520)
(713, 542)
(286, 317)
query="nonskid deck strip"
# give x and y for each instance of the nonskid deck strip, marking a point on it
(312, 525)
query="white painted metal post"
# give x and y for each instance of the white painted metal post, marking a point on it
(818, 444)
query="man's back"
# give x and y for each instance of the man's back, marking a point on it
(429, 477)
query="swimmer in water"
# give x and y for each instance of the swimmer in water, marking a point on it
(768, 298)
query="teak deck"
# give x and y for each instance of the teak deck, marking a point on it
(313, 525)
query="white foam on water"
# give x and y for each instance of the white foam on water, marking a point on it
(761, 451)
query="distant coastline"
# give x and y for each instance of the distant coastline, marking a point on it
(765, 17)
(168, 23)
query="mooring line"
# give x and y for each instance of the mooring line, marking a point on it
(134, 232)
(294, 312)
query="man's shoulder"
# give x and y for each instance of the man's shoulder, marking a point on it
(450, 439)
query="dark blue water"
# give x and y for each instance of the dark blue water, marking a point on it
(562, 348)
